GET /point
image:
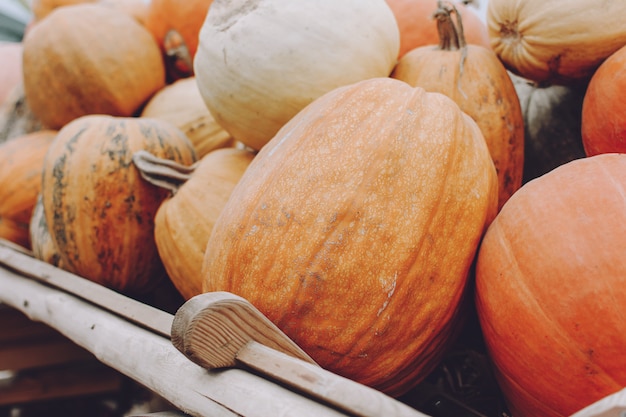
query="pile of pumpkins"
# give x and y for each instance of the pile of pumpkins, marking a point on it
(364, 172)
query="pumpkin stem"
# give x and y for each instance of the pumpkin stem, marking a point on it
(177, 52)
(451, 36)
(162, 172)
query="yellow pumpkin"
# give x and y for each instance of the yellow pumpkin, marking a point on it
(181, 104)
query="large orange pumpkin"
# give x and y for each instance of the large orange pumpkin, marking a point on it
(75, 64)
(603, 123)
(99, 211)
(184, 221)
(476, 80)
(354, 229)
(21, 163)
(415, 21)
(550, 281)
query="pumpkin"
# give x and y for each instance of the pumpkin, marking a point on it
(75, 64)
(181, 104)
(550, 280)
(21, 162)
(184, 221)
(138, 9)
(176, 27)
(99, 211)
(603, 122)
(552, 125)
(476, 80)
(259, 63)
(42, 8)
(556, 41)
(354, 229)
(11, 69)
(415, 21)
(41, 242)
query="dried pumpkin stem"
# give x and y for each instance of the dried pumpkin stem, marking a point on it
(451, 35)
(176, 50)
(162, 172)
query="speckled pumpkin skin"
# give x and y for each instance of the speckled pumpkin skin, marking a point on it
(354, 229)
(99, 210)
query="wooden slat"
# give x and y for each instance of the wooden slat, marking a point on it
(53, 350)
(16, 326)
(152, 360)
(61, 382)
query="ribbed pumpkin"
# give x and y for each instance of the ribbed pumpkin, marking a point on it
(260, 62)
(603, 122)
(41, 242)
(176, 27)
(556, 41)
(415, 21)
(184, 221)
(354, 229)
(89, 59)
(476, 80)
(99, 211)
(11, 68)
(21, 163)
(550, 281)
(181, 104)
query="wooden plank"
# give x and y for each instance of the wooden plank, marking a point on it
(21, 261)
(53, 350)
(16, 326)
(61, 382)
(152, 360)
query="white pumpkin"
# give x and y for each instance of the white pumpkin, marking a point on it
(259, 62)
(555, 41)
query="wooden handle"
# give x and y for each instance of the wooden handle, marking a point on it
(211, 329)
(220, 329)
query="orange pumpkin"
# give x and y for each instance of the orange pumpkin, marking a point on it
(550, 281)
(11, 68)
(99, 211)
(176, 27)
(603, 123)
(476, 80)
(75, 64)
(416, 24)
(42, 8)
(367, 205)
(184, 221)
(21, 162)
(137, 9)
